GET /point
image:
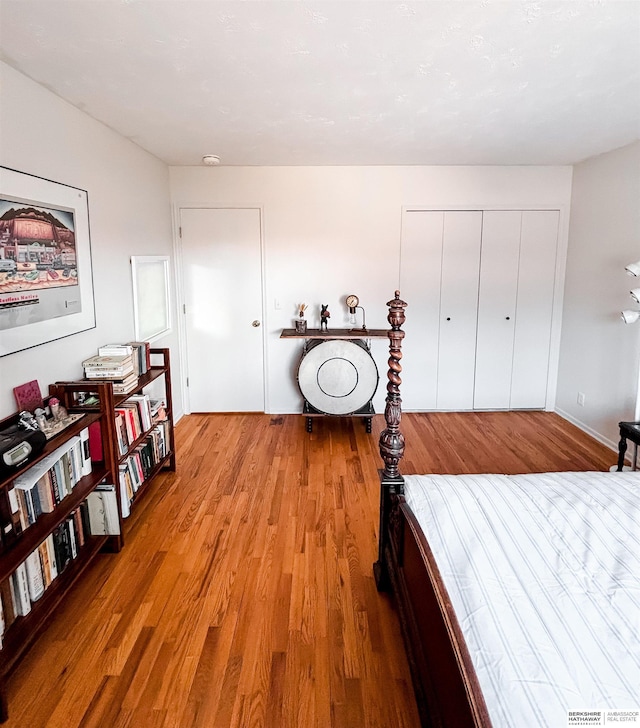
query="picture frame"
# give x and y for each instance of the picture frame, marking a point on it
(46, 273)
(151, 296)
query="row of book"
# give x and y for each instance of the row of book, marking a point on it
(41, 488)
(122, 364)
(138, 465)
(132, 418)
(97, 515)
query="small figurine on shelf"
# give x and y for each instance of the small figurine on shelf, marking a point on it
(27, 421)
(301, 322)
(41, 418)
(58, 411)
(324, 317)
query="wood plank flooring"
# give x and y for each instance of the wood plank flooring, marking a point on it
(244, 595)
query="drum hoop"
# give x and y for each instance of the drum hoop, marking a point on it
(358, 355)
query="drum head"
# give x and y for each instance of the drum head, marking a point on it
(337, 377)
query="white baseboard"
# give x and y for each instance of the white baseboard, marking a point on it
(590, 431)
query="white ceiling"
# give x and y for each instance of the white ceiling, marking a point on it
(344, 82)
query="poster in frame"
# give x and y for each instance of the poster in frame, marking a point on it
(46, 277)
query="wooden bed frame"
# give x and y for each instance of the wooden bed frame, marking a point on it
(444, 680)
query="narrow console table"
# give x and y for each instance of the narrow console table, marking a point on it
(335, 334)
(337, 375)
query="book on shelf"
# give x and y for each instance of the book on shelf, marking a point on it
(48, 561)
(110, 499)
(143, 403)
(115, 350)
(144, 352)
(26, 508)
(103, 511)
(62, 545)
(131, 417)
(121, 432)
(80, 524)
(158, 410)
(126, 490)
(10, 515)
(35, 578)
(110, 375)
(21, 590)
(124, 350)
(8, 598)
(95, 442)
(85, 453)
(51, 553)
(107, 366)
(140, 351)
(71, 527)
(125, 386)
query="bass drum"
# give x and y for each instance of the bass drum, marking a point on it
(337, 377)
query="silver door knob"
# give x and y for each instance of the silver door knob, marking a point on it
(255, 324)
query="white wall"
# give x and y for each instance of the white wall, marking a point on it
(330, 231)
(129, 211)
(599, 355)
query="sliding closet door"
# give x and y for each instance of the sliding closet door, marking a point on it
(536, 283)
(421, 259)
(497, 308)
(458, 309)
(480, 290)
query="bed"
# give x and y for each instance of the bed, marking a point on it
(522, 601)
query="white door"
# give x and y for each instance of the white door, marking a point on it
(458, 309)
(517, 279)
(497, 308)
(536, 283)
(222, 282)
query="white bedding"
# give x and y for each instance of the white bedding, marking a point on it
(544, 574)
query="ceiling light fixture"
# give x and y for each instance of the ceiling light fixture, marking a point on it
(211, 160)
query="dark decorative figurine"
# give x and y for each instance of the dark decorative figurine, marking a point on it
(324, 316)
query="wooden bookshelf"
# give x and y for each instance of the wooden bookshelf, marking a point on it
(160, 370)
(23, 630)
(17, 546)
(168, 460)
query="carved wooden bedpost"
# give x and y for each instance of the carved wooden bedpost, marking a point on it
(391, 439)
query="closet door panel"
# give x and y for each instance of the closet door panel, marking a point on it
(458, 309)
(420, 268)
(497, 308)
(536, 283)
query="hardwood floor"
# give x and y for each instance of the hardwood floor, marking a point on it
(244, 595)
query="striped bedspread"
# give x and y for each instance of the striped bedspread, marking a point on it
(544, 574)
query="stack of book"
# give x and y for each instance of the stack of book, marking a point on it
(117, 367)
(140, 352)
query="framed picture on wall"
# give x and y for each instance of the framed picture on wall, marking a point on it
(46, 278)
(151, 307)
